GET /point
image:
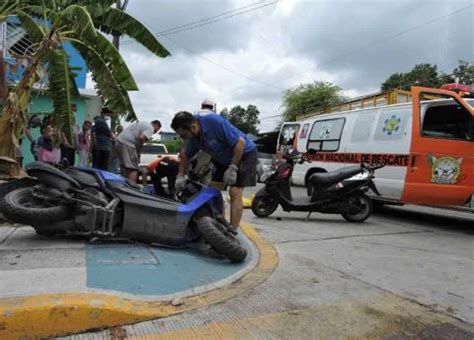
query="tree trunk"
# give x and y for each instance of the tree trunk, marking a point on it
(14, 117)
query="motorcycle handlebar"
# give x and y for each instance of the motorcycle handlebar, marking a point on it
(372, 167)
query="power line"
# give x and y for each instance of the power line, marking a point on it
(220, 19)
(213, 19)
(192, 23)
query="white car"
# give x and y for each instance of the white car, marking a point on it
(150, 151)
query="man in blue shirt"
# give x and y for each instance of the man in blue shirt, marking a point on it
(234, 155)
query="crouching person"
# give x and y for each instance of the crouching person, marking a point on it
(233, 154)
(166, 166)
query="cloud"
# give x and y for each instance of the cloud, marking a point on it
(252, 58)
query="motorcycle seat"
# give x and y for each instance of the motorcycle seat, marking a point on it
(51, 175)
(84, 179)
(329, 178)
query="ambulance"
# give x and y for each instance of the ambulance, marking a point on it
(427, 146)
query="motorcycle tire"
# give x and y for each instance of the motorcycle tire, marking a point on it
(44, 232)
(19, 206)
(364, 206)
(264, 206)
(223, 242)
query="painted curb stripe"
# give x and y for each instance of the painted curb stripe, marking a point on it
(61, 314)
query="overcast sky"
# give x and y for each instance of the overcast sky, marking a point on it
(251, 58)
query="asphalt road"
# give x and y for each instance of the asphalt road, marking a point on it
(405, 272)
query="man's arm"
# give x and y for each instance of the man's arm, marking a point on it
(28, 135)
(184, 163)
(145, 176)
(142, 140)
(238, 151)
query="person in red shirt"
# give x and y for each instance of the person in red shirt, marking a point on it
(165, 166)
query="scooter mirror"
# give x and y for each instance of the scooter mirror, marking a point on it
(312, 151)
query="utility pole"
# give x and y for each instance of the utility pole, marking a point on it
(115, 120)
(3, 80)
(118, 4)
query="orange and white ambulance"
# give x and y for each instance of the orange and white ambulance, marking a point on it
(427, 146)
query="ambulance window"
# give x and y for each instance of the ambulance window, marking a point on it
(304, 131)
(326, 134)
(448, 122)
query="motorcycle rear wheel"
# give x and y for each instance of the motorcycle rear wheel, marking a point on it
(223, 242)
(362, 206)
(264, 206)
(20, 206)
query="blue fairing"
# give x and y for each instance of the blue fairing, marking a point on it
(207, 195)
(105, 175)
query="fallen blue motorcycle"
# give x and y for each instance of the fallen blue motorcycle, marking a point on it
(101, 204)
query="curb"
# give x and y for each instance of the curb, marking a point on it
(61, 314)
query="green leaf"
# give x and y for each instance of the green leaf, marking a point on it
(115, 96)
(118, 66)
(7, 8)
(34, 30)
(80, 19)
(112, 19)
(60, 88)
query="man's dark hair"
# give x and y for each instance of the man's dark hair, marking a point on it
(183, 120)
(105, 110)
(47, 120)
(207, 106)
(156, 122)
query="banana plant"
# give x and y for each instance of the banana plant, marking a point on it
(50, 24)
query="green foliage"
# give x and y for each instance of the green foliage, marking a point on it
(428, 75)
(246, 120)
(60, 87)
(52, 23)
(465, 73)
(173, 146)
(312, 97)
(421, 75)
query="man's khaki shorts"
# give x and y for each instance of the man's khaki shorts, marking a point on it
(128, 156)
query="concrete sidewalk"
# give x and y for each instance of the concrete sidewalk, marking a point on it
(58, 285)
(406, 273)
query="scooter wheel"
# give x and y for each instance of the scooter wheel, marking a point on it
(360, 209)
(223, 242)
(264, 206)
(20, 206)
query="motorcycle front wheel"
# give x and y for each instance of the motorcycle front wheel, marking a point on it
(264, 206)
(220, 239)
(360, 209)
(20, 206)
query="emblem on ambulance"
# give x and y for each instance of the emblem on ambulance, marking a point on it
(289, 133)
(325, 130)
(445, 170)
(392, 124)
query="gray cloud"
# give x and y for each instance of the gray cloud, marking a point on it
(253, 58)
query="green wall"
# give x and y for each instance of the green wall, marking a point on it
(42, 104)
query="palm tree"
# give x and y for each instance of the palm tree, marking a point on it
(50, 24)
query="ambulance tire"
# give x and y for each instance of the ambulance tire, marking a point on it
(363, 208)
